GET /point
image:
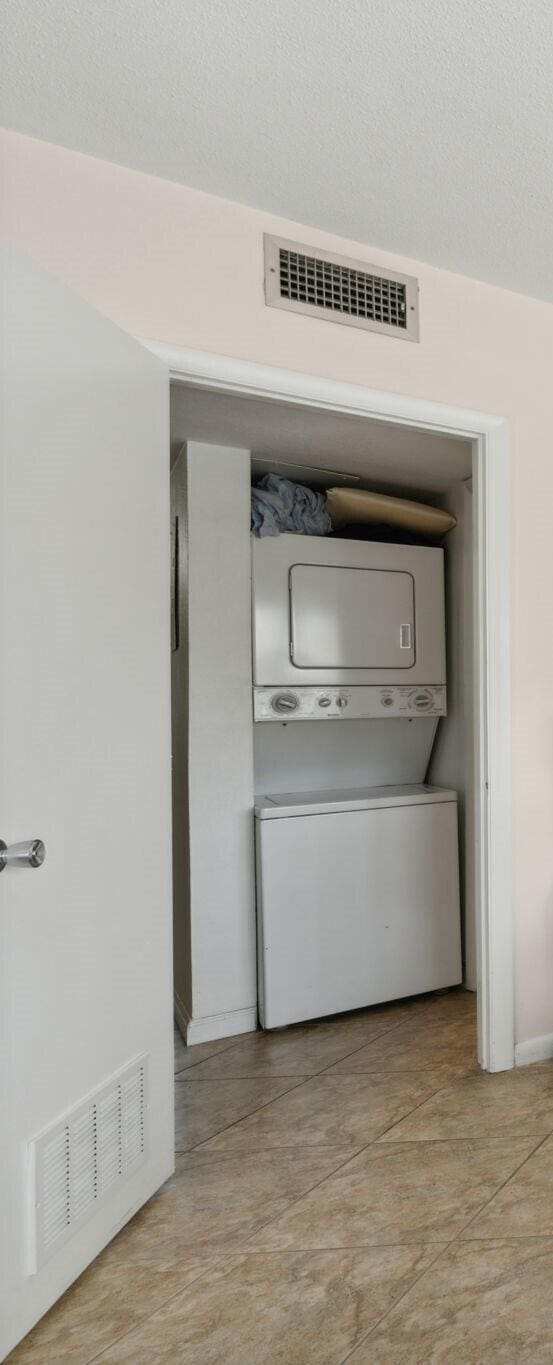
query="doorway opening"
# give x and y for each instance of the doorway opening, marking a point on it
(331, 435)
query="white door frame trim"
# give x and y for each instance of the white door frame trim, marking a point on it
(489, 433)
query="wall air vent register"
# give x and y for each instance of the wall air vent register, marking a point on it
(99, 1144)
(303, 280)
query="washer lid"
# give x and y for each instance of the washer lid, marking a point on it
(282, 804)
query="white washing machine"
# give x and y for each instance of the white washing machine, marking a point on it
(357, 899)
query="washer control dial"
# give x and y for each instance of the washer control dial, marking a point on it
(421, 699)
(284, 703)
(341, 702)
(324, 701)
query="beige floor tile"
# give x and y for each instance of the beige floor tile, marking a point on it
(217, 1201)
(506, 1104)
(109, 1299)
(186, 1057)
(448, 1049)
(289, 1308)
(524, 1207)
(203, 1108)
(456, 1004)
(298, 1050)
(397, 1193)
(329, 1110)
(479, 1304)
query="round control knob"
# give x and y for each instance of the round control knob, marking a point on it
(324, 701)
(387, 701)
(421, 701)
(341, 702)
(284, 703)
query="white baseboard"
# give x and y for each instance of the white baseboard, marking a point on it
(213, 1026)
(534, 1050)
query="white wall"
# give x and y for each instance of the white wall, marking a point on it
(214, 905)
(317, 755)
(172, 264)
(452, 763)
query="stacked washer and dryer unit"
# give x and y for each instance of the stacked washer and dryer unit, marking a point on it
(357, 889)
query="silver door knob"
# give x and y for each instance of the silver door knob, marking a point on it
(30, 853)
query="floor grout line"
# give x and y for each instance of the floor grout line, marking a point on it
(300, 1077)
(396, 1302)
(220, 1052)
(511, 1237)
(409, 1112)
(467, 1137)
(381, 1148)
(187, 1151)
(301, 1196)
(346, 1056)
(226, 1153)
(345, 1075)
(335, 1020)
(331, 1069)
(378, 1149)
(259, 1076)
(373, 1142)
(353, 1053)
(312, 1146)
(454, 1241)
(141, 1321)
(246, 1250)
(304, 1081)
(510, 1177)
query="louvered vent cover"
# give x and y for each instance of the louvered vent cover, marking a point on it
(304, 280)
(76, 1161)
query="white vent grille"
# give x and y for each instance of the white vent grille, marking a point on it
(303, 280)
(98, 1144)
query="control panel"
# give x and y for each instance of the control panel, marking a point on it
(343, 703)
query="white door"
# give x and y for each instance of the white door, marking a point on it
(85, 1015)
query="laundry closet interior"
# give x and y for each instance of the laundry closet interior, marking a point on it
(322, 700)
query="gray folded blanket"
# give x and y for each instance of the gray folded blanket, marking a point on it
(279, 505)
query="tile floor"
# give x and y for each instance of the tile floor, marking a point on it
(353, 1190)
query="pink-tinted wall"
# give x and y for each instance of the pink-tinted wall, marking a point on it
(171, 264)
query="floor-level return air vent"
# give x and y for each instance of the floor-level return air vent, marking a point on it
(75, 1162)
(304, 280)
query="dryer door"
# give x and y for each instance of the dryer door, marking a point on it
(348, 618)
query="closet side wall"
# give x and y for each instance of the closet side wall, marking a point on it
(220, 757)
(452, 762)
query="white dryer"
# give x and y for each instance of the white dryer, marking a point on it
(334, 613)
(357, 899)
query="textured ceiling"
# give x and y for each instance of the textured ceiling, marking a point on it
(420, 126)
